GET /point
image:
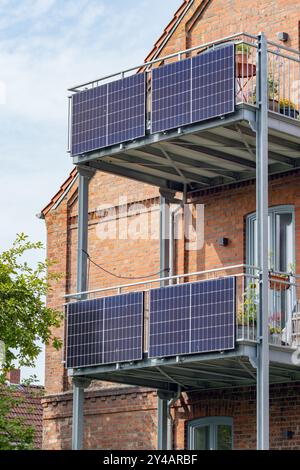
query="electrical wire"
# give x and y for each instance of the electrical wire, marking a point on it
(123, 277)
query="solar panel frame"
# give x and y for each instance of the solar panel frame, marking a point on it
(108, 114)
(215, 329)
(127, 103)
(171, 90)
(89, 120)
(133, 331)
(229, 328)
(79, 353)
(160, 320)
(213, 83)
(208, 94)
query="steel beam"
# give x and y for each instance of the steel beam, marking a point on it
(262, 237)
(82, 242)
(82, 246)
(79, 384)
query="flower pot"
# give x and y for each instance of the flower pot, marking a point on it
(279, 282)
(244, 68)
(290, 112)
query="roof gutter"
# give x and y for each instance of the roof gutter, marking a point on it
(157, 53)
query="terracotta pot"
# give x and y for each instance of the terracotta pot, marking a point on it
(244, 68)
(278, 282)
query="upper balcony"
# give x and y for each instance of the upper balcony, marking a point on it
(187, 121)
(198, 330)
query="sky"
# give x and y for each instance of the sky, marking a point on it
(47, 46)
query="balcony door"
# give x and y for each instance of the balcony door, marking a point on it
(211, 434)
(281, 254)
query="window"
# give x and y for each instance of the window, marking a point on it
(281, 239)
(211, 434)
(281, 259)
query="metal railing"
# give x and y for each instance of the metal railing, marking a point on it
(283, 74)
(284, 305)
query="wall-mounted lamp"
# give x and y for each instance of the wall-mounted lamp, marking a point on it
(282, 37)
(287, 434)
(223, 241)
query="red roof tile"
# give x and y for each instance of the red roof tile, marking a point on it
(29, 408)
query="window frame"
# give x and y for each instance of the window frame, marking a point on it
(212, 422)
(272, 211)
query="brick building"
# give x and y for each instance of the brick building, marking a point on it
(121, 417)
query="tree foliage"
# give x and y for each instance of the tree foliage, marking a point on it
(24, 318)
(25, 323)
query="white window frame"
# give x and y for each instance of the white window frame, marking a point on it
(212, 423)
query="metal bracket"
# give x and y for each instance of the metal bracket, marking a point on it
(86, 171)
(81, 382)
(253, 126)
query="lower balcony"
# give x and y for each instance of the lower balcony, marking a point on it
(194, 331)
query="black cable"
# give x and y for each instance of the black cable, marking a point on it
(123, 277)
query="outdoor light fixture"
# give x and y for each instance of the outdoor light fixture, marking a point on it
(223, 241)
(282, 36)
(287, 434)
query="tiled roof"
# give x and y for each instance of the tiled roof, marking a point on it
(60, 192)
(29, 408)
(167, 30)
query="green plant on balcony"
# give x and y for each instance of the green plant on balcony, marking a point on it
(247, 313)
(243, 48)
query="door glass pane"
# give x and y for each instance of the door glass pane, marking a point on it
(284, 241)
(201, 438)
(224, 437)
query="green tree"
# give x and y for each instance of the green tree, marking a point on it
(25, 322)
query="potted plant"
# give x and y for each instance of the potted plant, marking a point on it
(279, 282)
(247, 313)
(244, 68)
(288, 108)
(275, 328)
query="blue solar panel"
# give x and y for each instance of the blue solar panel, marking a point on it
(171, 96)
(123, 328)
(108, 114)
(89, 116)
(192, 318)
(194, 89)
(105, 330)
(212, 315)
(169, 330)
(213, 83)
(85, 333)
(126, 109)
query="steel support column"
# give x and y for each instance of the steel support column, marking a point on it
(82, 248)
(164, 246)
(83, 214)
(262, 240)
(78, 402)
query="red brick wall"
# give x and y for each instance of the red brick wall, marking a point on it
(224, 211)
(127, 418)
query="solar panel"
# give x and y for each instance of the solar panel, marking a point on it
(105, 330)
(89, 116)
(108, 114)
(169, 328)
(123, 328)
(213, 83)
(84, 333)
(212, 315)
(171, 96)
(192, 90)
(192, 318)
(126, 109)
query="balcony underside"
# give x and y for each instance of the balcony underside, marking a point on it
(198, 372)
(204, 155)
